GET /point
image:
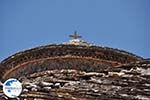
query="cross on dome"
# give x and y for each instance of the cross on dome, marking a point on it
(76, 40)
(75, 35)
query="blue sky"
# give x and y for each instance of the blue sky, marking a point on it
(123, 24)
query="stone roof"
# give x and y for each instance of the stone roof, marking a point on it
(78, 72)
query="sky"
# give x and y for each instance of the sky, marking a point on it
(123, 24)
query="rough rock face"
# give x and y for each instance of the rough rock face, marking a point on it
(72, 72)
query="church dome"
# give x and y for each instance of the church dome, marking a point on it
(78, 70)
